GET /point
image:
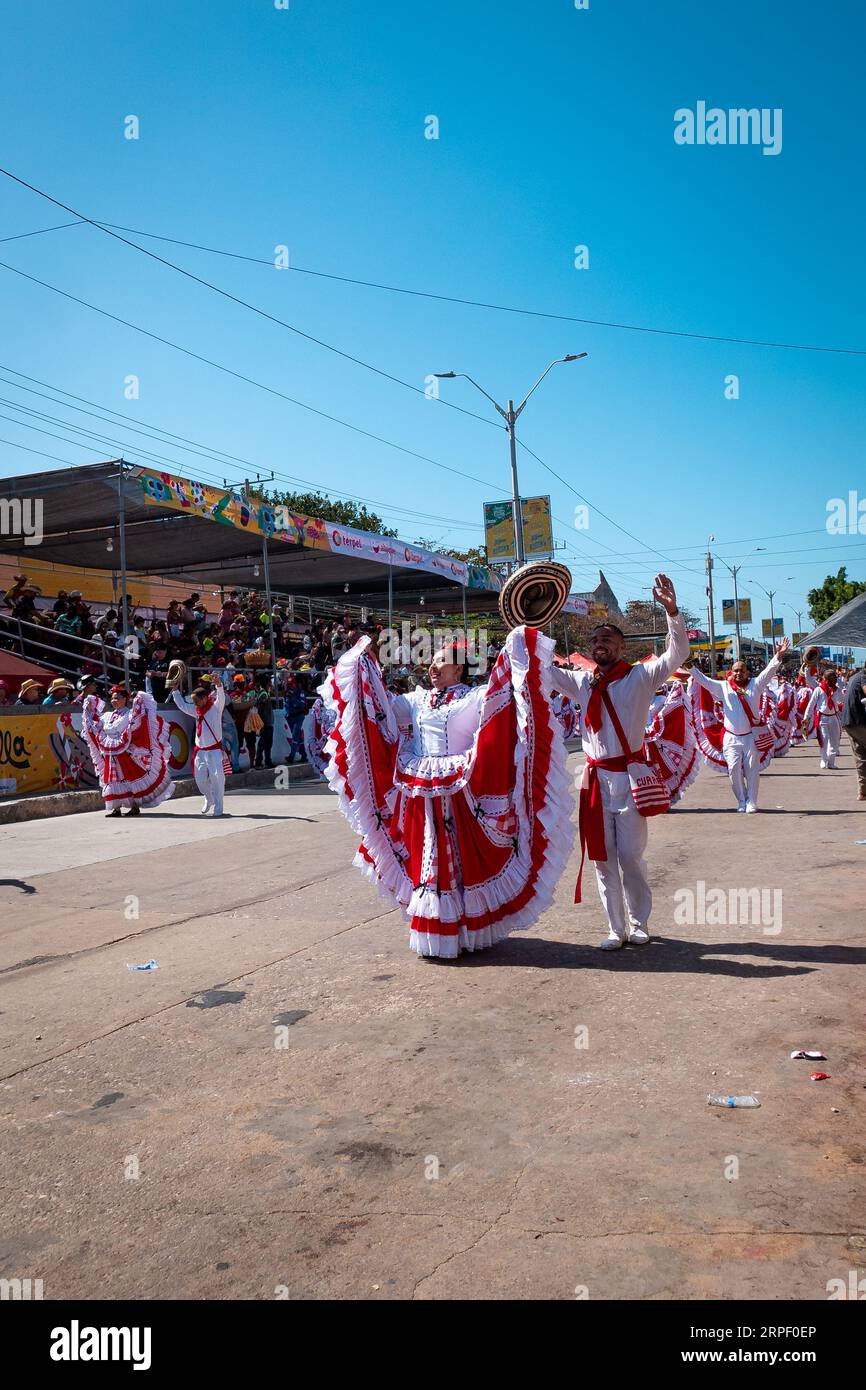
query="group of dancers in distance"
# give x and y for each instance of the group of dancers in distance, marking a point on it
(459, 793)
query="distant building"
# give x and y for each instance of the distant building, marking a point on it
(603, 594)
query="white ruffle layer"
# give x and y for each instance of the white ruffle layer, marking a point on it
(387, 870)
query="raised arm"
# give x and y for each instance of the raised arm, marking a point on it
(716, 688)
(772, 666)
(661, 668)
(184, 705)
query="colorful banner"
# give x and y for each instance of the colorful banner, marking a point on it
(582, 607)
(499, 532)
(537, 528)
(729, 610)
(777, 629)
(278, 523)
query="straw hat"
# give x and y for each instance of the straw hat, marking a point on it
(176, 672)
(535, 594)
(30, 685)
(59, 684)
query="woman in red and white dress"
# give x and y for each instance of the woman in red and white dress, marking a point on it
(130, 748)
(459, 793)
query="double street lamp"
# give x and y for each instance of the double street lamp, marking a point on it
(510, 416)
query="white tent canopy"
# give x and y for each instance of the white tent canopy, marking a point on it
(846, 627)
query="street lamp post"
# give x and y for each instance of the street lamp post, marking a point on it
(510, 416)
(771, 594)
(733, 570)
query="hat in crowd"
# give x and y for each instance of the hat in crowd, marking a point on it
(535, 594)
(84, 681)
(59, 684)
(74, 593)
(30, 685)
(239, 679)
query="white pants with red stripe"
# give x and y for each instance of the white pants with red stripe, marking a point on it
(623, 883)
(210, 778)
(744, 767)
(830, 731)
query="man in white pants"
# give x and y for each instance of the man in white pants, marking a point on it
(206, 708)
(740, 698)
(613, 832)
(827, 703)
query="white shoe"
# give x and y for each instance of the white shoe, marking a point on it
(204, 808)
(611, 943)
(822, 765)
(638, 936)
(741, 806)
(750, 809)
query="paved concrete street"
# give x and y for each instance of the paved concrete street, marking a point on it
(293, 1101)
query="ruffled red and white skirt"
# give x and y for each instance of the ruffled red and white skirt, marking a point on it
(670, 744)
(469, 845)
(133, 760)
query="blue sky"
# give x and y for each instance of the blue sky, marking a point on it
(305, 127)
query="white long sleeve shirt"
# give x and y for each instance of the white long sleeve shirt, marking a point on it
(821, 702)
(208, 726)
(736, 719)
(631, 697)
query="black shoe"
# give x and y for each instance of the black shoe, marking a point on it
(134, 811)
(115, 812)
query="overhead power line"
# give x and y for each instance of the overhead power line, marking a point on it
(198, 450)
(250, 381)
(245, 303)
(442, 298)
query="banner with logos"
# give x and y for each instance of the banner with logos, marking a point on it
(279, 523)
(499, 530)
(729, 612)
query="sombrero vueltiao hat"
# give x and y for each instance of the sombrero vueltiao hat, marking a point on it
(535, 594)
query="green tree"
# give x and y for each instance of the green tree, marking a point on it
(343, 512)
(834, 593)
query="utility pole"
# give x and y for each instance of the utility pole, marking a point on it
(510, 422)
(734, 569)
(510, 416)
(267, 574)
(712, 621)
(771, 593)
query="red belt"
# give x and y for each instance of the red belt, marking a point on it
(590, 817)
(211, 747)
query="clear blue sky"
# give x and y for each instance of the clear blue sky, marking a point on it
(306, 127)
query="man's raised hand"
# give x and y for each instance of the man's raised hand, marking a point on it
(665, 594)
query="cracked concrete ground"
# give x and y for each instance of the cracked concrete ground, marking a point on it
(293, 1105)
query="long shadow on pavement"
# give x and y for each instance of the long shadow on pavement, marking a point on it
(667, 955)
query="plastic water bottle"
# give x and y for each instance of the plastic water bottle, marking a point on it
(738, 1102)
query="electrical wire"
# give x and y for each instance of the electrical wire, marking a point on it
(427, 294)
